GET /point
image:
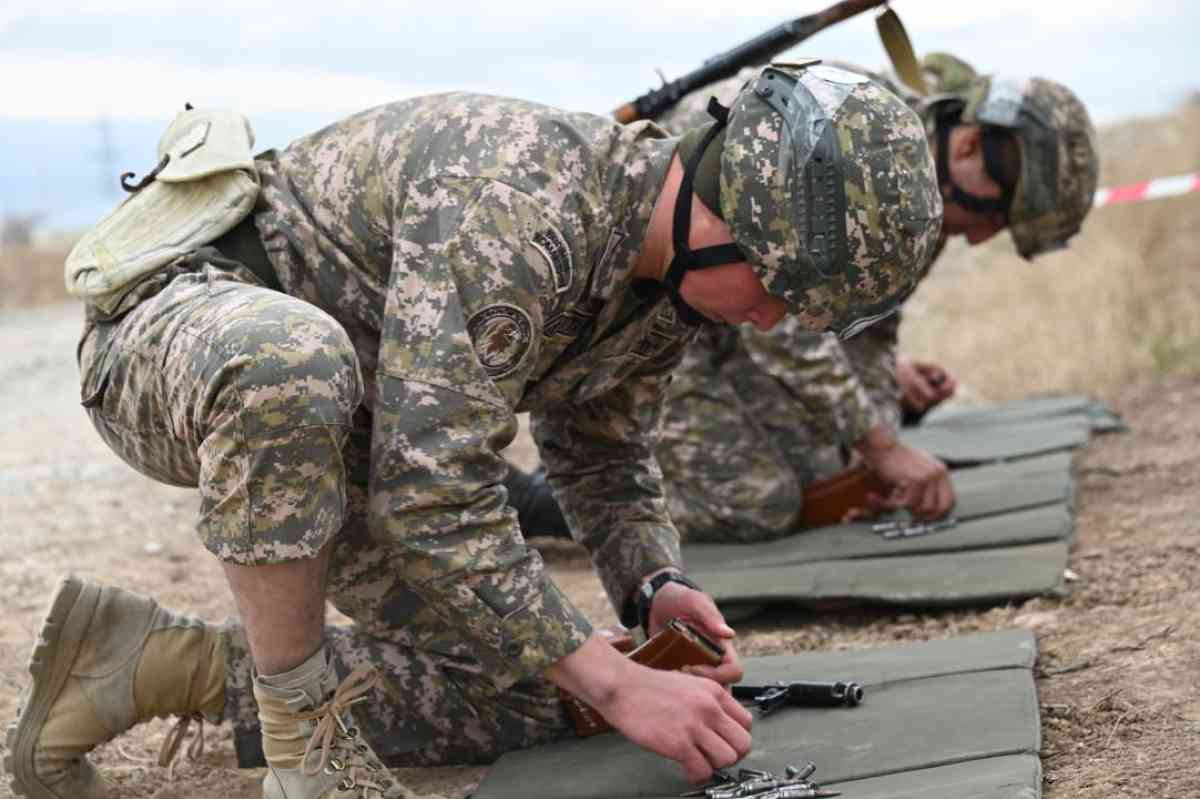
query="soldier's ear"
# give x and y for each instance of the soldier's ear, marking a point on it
(966, 142)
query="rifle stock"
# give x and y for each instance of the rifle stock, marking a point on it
(827, 501)
(759, 50)
(678, 645)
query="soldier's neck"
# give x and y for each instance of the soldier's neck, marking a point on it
(657, 247)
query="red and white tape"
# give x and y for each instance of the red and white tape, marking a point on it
(1148, 190)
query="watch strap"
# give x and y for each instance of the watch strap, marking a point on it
(645, 595)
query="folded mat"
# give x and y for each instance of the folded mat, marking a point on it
(950, 719)
(1011, 542)
(938, 579)
(999, 441)
(1010, 430)
(1101, 418)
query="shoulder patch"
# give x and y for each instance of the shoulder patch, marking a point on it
(553, 247)
(501, 334)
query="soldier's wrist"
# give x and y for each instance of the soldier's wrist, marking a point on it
(628, 615)
(875, 442)
(594, 672)
(643, 598)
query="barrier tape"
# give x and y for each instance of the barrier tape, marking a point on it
(1148, 190)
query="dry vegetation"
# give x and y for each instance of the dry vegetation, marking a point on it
(30, 276)
(1120, 302)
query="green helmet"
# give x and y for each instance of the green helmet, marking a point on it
(1059, 165)
(829, 189)
(946, 73)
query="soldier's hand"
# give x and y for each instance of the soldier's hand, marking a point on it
(675, 600)
(691, 720)
(921, 482)
(923, 384)
(688, 719)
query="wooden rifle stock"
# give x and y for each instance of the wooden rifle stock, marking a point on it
(759, 50)
(827, 501)
(678, 645)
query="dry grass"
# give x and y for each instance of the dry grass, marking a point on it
(1120, 302)
(30, 277)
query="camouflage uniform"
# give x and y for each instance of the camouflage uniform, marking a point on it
(445, 263)
(753, 416)
(856, 377)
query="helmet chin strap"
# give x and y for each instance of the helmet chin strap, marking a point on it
(687, 259)
(993, 164)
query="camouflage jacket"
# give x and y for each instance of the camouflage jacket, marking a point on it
(851, 385)
(480, 252)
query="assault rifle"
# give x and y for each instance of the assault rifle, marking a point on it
(759, 50)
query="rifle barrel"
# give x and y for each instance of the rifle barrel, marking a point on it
(759, 50)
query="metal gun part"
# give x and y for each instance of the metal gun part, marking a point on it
(798, 791)
(913, 530)
(800, 774)
(720, 777)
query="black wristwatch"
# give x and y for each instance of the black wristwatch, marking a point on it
(637, 610)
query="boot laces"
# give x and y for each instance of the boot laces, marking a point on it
(174, 739)
(175, 736)
(339, 744)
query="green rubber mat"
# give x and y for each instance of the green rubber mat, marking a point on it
(1011, 430)
(926, 580)
(1101, 418)
(1015, 485)
(1022, 469)
(999, 441)
(859, 542)
(1011, 542)
(951, 719)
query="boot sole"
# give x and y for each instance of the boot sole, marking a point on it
(50, 665)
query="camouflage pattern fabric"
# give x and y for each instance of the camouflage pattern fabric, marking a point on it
(441, 706)
(846, 387)
(752, 418)
(432, 712)
(247, 393)
(869, 256)
(946, 73)
(813, 395)
(1060, 167)
(447, 262)
(872, 358)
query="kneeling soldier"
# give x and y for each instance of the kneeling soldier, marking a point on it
(336, 360)
(754, 417)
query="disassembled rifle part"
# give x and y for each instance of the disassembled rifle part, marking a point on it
(904, 528)
(769, 698)
(755, 784)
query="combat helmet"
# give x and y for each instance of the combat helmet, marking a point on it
(828, 187)
(1059, 167)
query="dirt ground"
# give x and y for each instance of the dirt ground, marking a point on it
(1120, 660)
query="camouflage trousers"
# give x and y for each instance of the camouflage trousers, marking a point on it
(255, 397)
(727, 477)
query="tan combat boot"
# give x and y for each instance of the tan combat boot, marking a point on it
(312, 747)
(107, 659)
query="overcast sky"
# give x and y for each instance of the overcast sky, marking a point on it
(86, 88)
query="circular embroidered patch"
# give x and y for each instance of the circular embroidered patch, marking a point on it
(501, 334)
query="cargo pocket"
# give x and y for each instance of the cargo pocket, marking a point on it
(94, 356)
